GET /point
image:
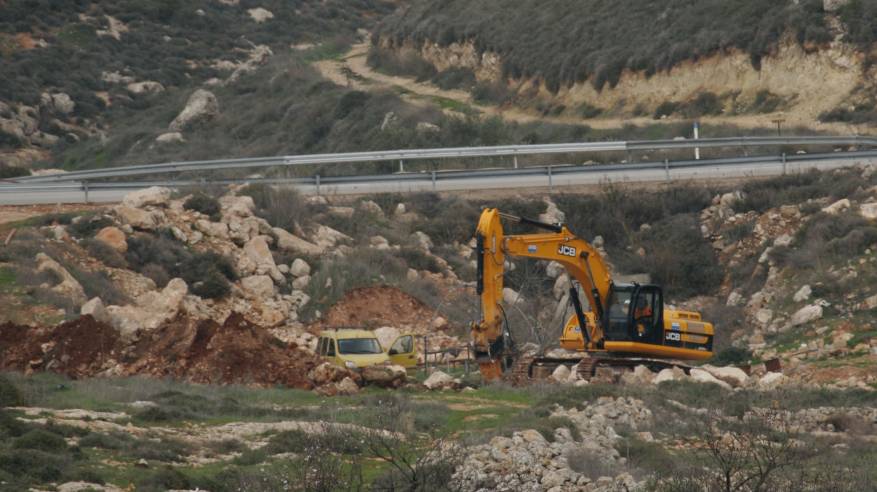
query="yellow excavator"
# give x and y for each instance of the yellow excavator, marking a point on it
(625, 324)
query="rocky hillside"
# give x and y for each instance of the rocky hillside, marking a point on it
(805, 62)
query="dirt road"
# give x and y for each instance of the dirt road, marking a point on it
(352, 70)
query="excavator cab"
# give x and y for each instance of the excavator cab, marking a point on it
(635, 314)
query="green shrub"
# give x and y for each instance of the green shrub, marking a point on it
(9, 394)
(203, 203)
(88, 226)
(392, 63)
(33, 464)
(454, 78)
(162, 258)
(165, 478)
(104, 253)
(7, 172)
(284, 208)
(418, 259)
(738, 231)
(666, 108)
(766, 102)
(731, 356)
(40, 440)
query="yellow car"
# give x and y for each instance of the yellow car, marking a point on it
(359, 348)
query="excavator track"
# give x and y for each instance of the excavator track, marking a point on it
(531, 368)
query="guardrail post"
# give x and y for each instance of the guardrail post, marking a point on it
(516, 161)
(318, 184)
(784, 163)
(667, 168)
(550, 181)
(433, 181)
(401, 166)
(85, 189)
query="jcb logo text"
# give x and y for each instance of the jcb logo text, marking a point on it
(566, 251)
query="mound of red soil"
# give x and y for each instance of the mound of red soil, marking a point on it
(236, 352)
(82, 347)
(373, 307)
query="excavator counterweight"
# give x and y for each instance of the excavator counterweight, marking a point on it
(624, 324)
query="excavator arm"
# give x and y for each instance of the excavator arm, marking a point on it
(580, 259)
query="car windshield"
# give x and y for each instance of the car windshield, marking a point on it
(359, 346)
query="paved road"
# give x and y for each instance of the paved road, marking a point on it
(47, 194)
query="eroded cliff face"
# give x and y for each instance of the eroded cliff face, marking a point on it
(810, 80)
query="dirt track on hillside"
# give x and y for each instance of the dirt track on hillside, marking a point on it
(424, 94)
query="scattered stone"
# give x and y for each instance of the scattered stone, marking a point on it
(299, 268)
(156, 196)
(68, 286)
(260, 15)
(510, 297)
(145, 87)
(95, 308)
(702, 376)
(170, 137)
(772, 380)
(560, 374)
(868, 210)
(669, 374)
(802, 294)
(258, 287)
(294, 244)
(837, 207)
(113, 237)
(806, 314)
(384, 376)
(201, 106)
(731, 375)
(440, 380)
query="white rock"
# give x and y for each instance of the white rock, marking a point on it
(258, 287)
(560, 374)
(149, 310)
(803, 294)
(237, 206)
(347, 387)
(703, 376)
(806, 314)
(734, 299)
(837, 207)
(212, 229)
(783, 240)
(294, 244)
(301, 282)
(372, 208)
(138, 218)
(299, 268)
(147, 86)
(561, 287)
(439, 380)
(668, 374)
(95, 308)
(510, 297)
(772, 380)
(868, 210)
(327, 238)
(201, 106)
(260, 14)
(554, 269)
(423, 241)
(763, 316)
(400, 209)
(731, 375)
(69, 286)
(170, 137)
(155, 195)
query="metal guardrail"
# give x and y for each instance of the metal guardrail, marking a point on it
(442, 153)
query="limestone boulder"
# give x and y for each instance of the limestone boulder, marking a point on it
(422, 240)
(258, 260)
(301, 283)
(510, 297)
(170, 138)
(347, 387)
(156, 196)
(384, 376)
(371, 208)
(440, 380)
(561, 374)
(327, 373)
(299, 268)
(868, 210)
(295, 244)
(138, 218)
(260, 15)
(802, 294)
(734, 376)
(202, 106)
(236, 206)
(148, 310)
(68, 286)
(702, 376)
(837, 207)
(806, 314)
(669, 374)
(327, 238)
(113, 237)
(96, 309)
(258, 287)
(772, 380)
(641, 375)
(209, 228)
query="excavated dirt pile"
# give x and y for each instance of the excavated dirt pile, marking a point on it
(78, 348)
(373, 307)
(235, 352)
